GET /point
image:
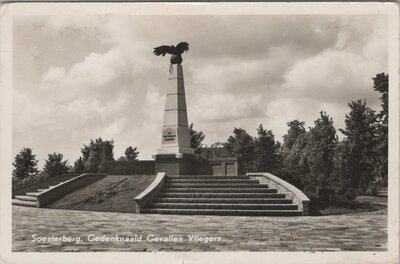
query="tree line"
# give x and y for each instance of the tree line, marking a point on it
(314, 159)
(26, 169)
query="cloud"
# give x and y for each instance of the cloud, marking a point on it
(39, 113)
(44, 124)
(114, 128)
(223, 107)
(53, 74)
(97, 75)
(329, 77)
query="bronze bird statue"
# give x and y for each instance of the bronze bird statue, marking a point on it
(176, 52)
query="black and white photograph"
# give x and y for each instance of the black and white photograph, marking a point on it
(199, 132)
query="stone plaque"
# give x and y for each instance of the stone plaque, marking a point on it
(169, 135)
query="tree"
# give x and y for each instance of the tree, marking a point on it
(342, 175)
(79, 165)
(296, 128)
(294, 165)
(266, 151)
(293, 144)
(25, 164)
(360, 132)
(241, 145)
(131, 153)
(96, 152)
(381, 84)
(296, 158)
(104, 149)
(320, 149)
(196, 139)
(93, 162)
(55, 166)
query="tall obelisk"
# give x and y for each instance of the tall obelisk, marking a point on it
(175, 157)
(175, 132)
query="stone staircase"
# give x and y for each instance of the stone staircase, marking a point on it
(220, 195)
(30, 198)
(383, 192)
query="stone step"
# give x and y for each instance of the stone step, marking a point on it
(215, 185)
(219, 195)
(211, 181)
(194, 177)
(230, 206)
(42, 190)
(33, 193)
(223, 212)
(221, 190)
(225, 200)
(24, 203)
(383, 192)
(26, 198)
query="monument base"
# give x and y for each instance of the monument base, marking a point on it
(174, 151)
(175, 164)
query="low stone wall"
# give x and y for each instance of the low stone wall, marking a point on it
(32, 187)
(282, 186)
(201, 166)
(224, 166)
(150, 193)
(172, 164)
(140, 167)
(67, 187)
(190, 164)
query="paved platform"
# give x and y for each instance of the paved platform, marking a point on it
(223, 233)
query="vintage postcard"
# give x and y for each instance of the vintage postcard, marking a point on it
(199, 132)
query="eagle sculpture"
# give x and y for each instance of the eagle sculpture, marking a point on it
(176, 52)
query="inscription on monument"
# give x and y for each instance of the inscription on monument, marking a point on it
(169, 134)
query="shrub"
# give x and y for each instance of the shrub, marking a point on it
(310, 191)
(290, 176)
(18, 183)
(351, 194)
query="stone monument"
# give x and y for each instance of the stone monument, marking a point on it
(175, 157)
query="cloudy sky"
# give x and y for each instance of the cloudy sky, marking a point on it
(82, 77)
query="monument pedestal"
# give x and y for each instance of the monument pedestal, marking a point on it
(175, 157)
(175, 164)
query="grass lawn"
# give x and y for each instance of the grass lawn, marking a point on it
(359, 205)
(114, 193)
